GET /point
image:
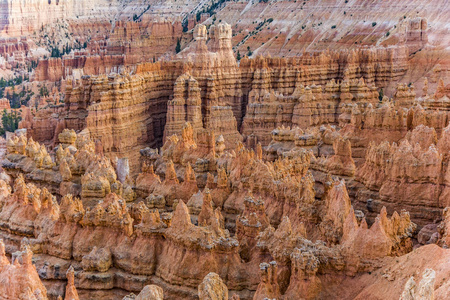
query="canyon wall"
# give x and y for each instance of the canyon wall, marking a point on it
(22, 17)
(262, 93)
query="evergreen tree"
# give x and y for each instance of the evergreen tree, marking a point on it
(380, 95)
(10, 121)
(43, 91)
(178, 47)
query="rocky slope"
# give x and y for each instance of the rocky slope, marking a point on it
(225, 150)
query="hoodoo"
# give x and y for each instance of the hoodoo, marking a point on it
(224, 149)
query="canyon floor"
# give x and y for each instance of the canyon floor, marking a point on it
(224, 149)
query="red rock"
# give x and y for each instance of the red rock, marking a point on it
(159, 158)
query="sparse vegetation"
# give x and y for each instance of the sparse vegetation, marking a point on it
(211, 10)
(137, 17)
(17, 99)
(33, 65)
(66, 49)
(12, 97)
(10, 121)
(258, 28)
(43, 91)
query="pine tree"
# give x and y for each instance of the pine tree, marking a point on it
(238, 56)
(380, 95)
(10, 121)
(178, 47)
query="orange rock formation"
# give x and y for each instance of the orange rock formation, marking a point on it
(225, 150)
